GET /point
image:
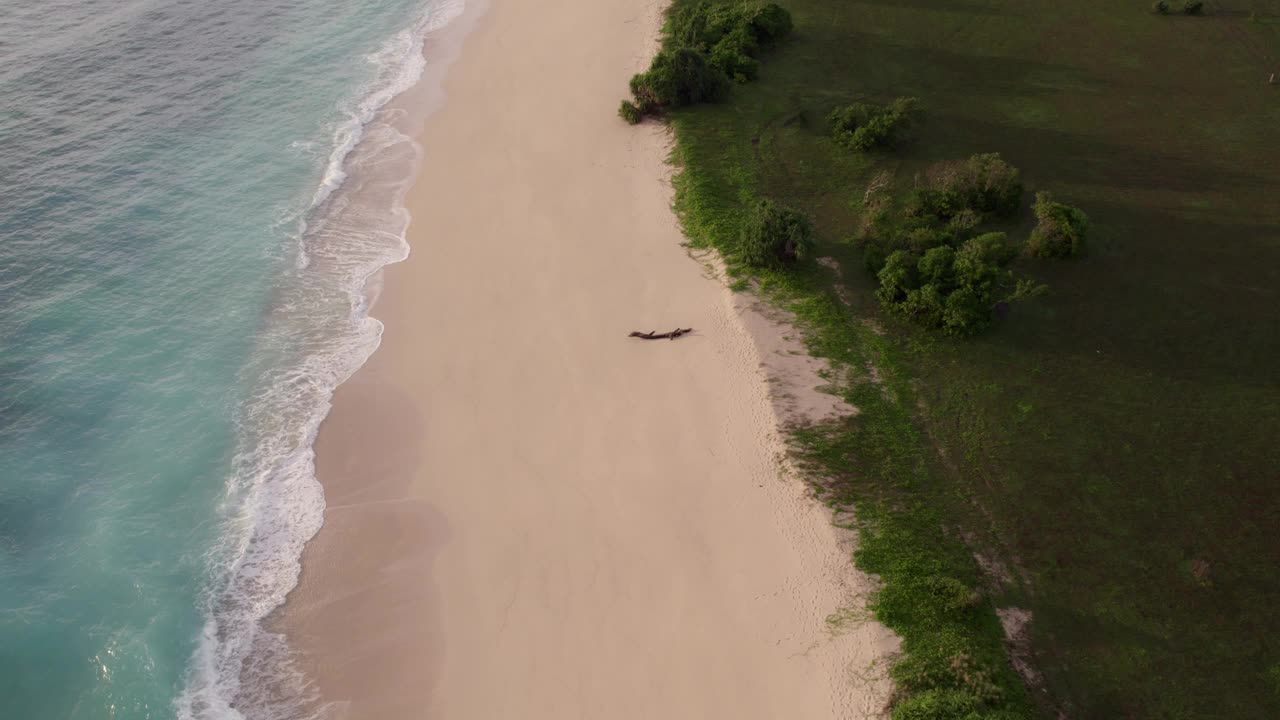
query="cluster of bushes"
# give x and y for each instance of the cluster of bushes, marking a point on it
(948, 203)
(933, 264)
(1060, 230)
(705, 47)
(1189, 7)
(935, 278)
(864, 127)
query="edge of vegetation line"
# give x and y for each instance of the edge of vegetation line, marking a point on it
(953, 662)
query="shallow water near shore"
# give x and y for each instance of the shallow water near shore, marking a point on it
(192, 199)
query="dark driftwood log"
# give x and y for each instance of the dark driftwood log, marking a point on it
(651, 335)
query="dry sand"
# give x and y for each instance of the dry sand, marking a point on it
(531, 515)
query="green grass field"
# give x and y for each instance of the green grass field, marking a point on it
(1115, 443)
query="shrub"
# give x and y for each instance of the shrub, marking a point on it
(1160, 7)
(775, 236)
(704, 47)
(952, 289)
(967, 312)
(1061, 230)
(876, 205)
(963, 221)
(863, 127)
(702, 25)
(733, 56)
(925, 304)
(1193, 7)
(925, 204)
(848, 118)
(978, 270)
(629, 112)
(876, 248)
(983, 184)
(898, 277)
(920, 239)
(931, 266)
(979, 261)
(730, 36)
(771, 23)
(677, 78)
(996, 186)
(937, 267)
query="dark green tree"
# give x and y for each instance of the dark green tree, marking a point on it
(775, 236)
(677, 78)
(705, 46)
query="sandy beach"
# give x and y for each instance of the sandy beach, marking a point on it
(531, 515)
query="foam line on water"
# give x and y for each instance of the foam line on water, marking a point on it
(400, 63)
(319, 334)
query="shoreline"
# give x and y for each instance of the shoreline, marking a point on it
(524, 498)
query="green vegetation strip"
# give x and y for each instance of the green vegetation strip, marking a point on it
(953, 663)
(1108, 447)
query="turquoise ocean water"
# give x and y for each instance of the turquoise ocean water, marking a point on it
(192, 196)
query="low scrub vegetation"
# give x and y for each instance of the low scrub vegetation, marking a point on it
(862, 127)
(1060, 230)
(705, 48)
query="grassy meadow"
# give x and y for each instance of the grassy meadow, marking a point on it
(1111, 449)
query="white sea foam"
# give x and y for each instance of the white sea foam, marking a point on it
(399, 64)
(318, 334)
